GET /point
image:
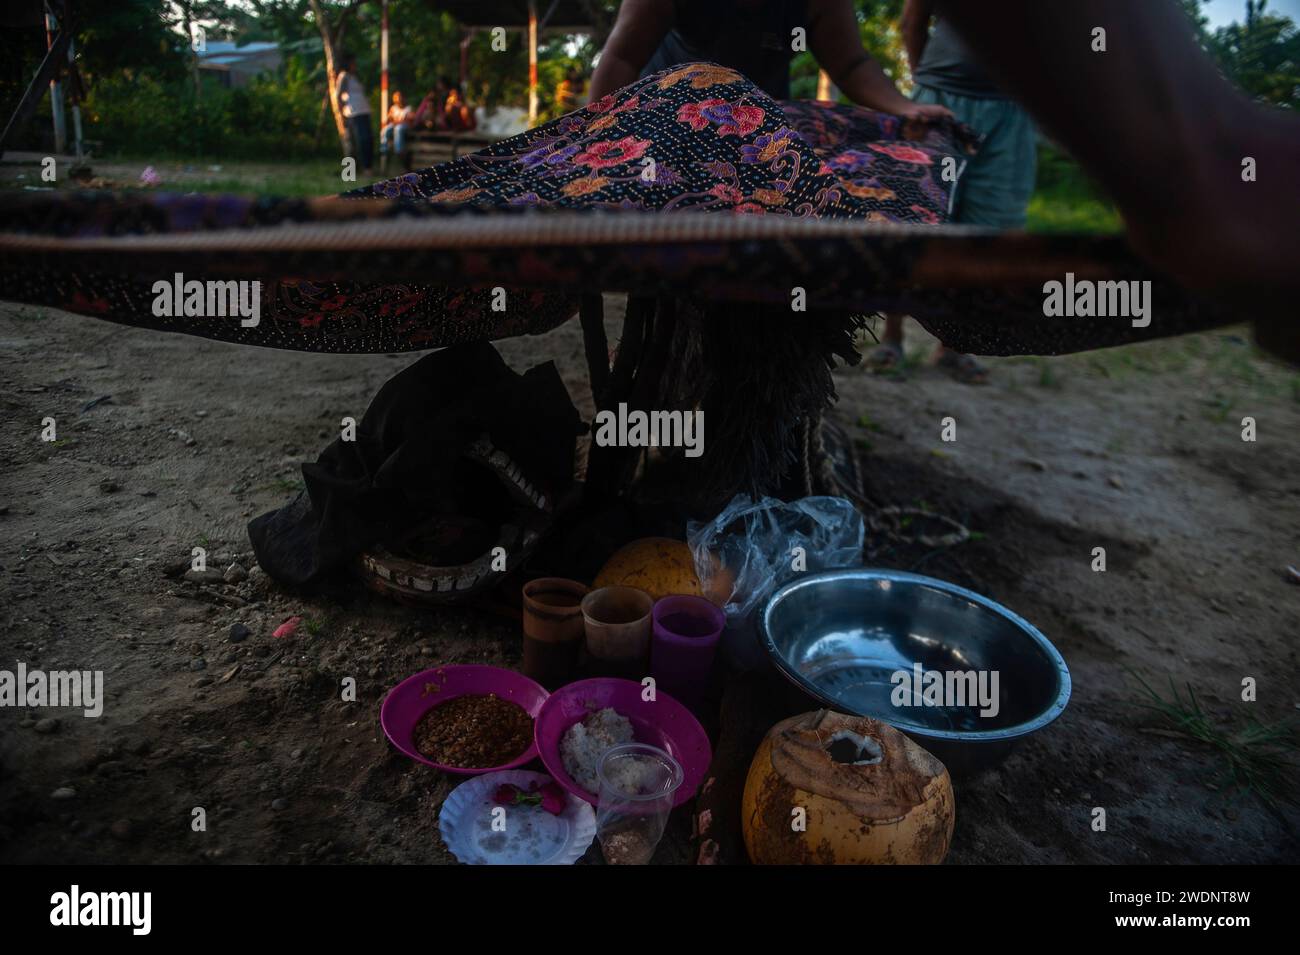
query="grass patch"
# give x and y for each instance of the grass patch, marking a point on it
(301, 180)
(283, 485)
(1066, 200)
(306, 178)
(1217, 408)
(29, 314)
(1256, 758)
(1047, 377)
(865, 421)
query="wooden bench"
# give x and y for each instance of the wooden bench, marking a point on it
(428, 148)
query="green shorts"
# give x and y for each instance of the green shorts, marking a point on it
(994, 190)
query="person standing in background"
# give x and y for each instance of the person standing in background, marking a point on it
(754, 38)
(996, 186)
(356, 113)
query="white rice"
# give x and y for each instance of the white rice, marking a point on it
(584, 743)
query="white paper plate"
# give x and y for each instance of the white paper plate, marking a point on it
(532, 836)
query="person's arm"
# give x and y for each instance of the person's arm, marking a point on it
(835, 41)
(641, 26)
(417, 117)
(1156, 123)
(339, 95)
(914, 25)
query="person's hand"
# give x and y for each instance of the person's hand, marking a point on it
(926, 112)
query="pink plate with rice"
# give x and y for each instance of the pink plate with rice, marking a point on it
(661, 722)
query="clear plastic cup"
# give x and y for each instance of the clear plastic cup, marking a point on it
(618, 628)
(637, 785)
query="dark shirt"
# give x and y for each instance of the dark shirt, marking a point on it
(947, 64)
(752, 39)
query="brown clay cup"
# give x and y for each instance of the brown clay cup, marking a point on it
(553, 629)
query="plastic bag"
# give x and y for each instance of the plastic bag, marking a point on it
(753, 547)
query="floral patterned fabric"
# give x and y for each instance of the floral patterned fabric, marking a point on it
(701, 137)
(697, 138)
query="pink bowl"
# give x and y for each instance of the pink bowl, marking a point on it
(664, 723)
(407, 702)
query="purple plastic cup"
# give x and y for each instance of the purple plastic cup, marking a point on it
(683, 645)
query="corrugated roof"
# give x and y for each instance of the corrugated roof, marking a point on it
(223, 47)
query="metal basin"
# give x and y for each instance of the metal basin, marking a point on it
(844, 637)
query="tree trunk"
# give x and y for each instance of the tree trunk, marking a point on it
(330, 38)
(194, 54)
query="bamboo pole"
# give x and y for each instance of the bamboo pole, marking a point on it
(383, 61)
(56, 90)
(532, 62)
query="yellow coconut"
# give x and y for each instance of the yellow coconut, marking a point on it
(826, 788)
(660, 566)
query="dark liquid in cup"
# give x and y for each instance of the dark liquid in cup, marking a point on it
(550, 662)
(686, 625)
(556, 598)
(554, 614)
(616, 610)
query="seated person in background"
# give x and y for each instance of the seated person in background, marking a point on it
(431, 113)
(459, 115)
(568, 94)
(395, 124)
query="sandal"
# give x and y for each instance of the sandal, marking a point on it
(962, 368)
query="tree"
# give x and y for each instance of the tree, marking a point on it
(878, 26)
(1261, 55)
(332, 39)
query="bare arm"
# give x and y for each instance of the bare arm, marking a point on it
(640, 27)
(834, 39)
(1154, 91)
(1156, 123)
(914, 24)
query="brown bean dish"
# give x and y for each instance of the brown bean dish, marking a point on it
(474, 732)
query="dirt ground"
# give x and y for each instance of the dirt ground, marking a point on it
(1137, 450)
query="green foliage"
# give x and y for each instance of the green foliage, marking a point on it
(141, 100)
(1066, 200)
(152, 116)
(878, 26)
(424, 45)
(118, 38)
(1261, 55)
